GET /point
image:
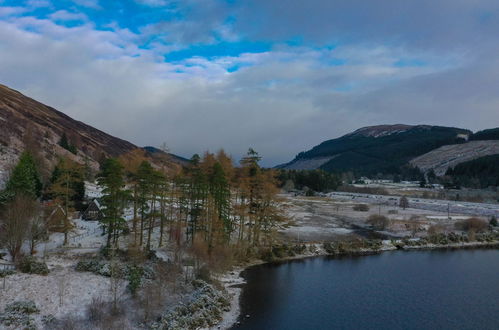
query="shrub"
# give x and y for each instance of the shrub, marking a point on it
(361, 207)
(96, 310)
(379, 222)
(267, 255)
(31, 266)
(24, 307)
(493, 222)
(472, 224)
(204, 274)
(6, 272)
(403, 202)
(134, 278)
(393, 212)
(17, 315)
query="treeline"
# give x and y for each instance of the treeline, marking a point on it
(315, 180)
(479, 173)
(488, 134)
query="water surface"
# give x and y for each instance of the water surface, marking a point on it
(394, 290)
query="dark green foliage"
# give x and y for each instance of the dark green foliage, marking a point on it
(31, 266)
(493, 222)
(220, 191)
(316, 180)
(67, 172)
(134, 278)
(366, 155)
(479, 173)
(114, 198)
(24, 178)
(66, 144)
(488, 134)
(6, 272)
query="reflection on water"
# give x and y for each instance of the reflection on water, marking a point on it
(395, 290)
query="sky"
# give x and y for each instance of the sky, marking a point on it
(277, 76)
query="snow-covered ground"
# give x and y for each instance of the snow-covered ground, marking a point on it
(76, 288)
(478, 209)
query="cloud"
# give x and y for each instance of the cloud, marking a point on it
(94, 4)
(64, 15)
(38, 4)
(345, 72)
(152, 3)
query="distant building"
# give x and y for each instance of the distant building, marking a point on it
(465, 137)
(56, 218)
(93, 211)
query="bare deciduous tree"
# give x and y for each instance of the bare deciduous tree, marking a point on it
(37, 231)
(15, 223)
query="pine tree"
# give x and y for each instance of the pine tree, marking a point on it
(114, 198)
(144, 190)
(24, 178)
(220, 191)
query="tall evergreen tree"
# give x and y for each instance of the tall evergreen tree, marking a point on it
(114, 198)
(24, 178)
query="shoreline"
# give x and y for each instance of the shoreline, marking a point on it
(233, 281)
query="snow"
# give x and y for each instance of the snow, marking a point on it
(80, 288)
(233, 283)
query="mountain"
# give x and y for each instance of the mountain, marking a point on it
(27, 123)
(377, 149)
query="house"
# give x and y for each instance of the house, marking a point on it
(56, 218)
(93, 211)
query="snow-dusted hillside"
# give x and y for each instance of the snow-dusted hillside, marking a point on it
(449, 156)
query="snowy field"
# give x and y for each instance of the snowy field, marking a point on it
(332, 218)
(478, 209)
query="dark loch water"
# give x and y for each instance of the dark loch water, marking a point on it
(395, 290)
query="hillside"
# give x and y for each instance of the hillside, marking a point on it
(449, 156)
(488, 134)
(482, 172)
(377, 149)
(25, 122)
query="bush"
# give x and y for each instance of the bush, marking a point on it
(96, 310)
(31, 266)
(204, 274)
(17, 315)
(378, 222)
(6, 272)
(24, 307)
(361, 207)
(134, 278)
(493, 222)
(267, 255)
(472, 224)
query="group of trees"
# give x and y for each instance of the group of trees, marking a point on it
(316, 180)
(209, 201)
(21, 212)
(19, 220)
(479, 173)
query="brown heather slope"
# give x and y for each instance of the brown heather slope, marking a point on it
(25, 122)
